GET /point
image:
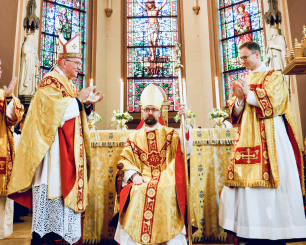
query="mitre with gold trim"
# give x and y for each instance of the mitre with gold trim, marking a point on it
(152, 95)
(69, 49)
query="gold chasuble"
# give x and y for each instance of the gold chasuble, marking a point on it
(7, 146)
(153, 212)
(49, 103)
(254, 159)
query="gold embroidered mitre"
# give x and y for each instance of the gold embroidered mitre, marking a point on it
(152, 95)
(69, 49)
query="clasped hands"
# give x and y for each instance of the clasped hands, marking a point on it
(241, 88)
(85, 94)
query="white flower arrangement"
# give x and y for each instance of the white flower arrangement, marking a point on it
(190, 115)
(120, 116)
(96, 116)
(217, 113)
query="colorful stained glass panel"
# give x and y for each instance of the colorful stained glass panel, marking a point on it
(150, 49)
(241, 21)
(67, 16)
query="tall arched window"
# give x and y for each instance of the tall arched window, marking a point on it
(241, 21)
(152, 31)
(61, 16)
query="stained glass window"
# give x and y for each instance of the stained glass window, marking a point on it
(150, 49)
(241, 21)
(61, 16)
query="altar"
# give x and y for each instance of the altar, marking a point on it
(209, 158)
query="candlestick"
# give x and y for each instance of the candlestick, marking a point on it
(217, 93)
(121, 95)
(184, 92)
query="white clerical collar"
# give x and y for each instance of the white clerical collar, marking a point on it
(261, 68)
(59, 71)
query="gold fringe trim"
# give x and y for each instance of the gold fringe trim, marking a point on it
(213, 142)
(3, 193)
(250, 183)
(107, 143)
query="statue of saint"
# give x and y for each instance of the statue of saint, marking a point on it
(28, 78)
(153, 25)
(276, 51)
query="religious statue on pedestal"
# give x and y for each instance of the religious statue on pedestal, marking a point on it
(29, 67)
(276, 51)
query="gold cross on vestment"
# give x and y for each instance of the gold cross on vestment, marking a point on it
(248, 155)
(74, 46)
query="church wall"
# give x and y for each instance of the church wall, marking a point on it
(8, 13)
(297, 18)
(108, 61)
(198, 62)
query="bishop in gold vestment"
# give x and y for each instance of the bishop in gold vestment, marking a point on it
(53, 153)
(263, 196)
(152, 204)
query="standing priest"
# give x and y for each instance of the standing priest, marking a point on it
(152, 205)
(263, 196)
(11, 112)
(53, 153)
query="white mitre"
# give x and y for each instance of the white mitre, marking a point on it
(69, 49)
(152, 95)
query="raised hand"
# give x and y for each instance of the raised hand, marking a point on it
(238, 91)
(9, 90)
(85, 93)
(94, 98)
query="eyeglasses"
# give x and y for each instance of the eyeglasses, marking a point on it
(148, 110)
(78, 63)
(244, 58)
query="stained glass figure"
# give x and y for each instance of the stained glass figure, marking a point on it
(152, 31)
(241, 21)
(61, 16)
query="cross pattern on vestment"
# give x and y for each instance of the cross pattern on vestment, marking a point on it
(74, 46)
(248, 156)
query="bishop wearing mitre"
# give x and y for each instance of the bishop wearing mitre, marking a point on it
(152, 203)
(53, 154)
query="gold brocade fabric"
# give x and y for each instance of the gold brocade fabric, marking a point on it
(44, 117)
(7, 144)
(209, 159)
(106, 149)
(152, 214)
(208, 162)
(254, 159)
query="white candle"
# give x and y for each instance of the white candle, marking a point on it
(217, 92)
(180, 87)
(109, 4)
(121, 95)
(195, 3)
(184, 92)
(91, 84)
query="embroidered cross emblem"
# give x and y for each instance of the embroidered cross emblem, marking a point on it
(249, 156)
(74, 46)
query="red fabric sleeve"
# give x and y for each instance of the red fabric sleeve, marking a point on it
(66, 144)
(24, 198)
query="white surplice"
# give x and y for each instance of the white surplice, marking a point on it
(6, 204)
(49, 212)
(264, 213)
(121, 236)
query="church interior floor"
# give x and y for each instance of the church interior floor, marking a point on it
(22, 234)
